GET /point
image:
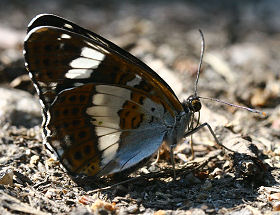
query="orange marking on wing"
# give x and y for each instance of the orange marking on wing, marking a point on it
(81, 156)
(130, 119)
(70, 126)
(123, 74)
(91, 168)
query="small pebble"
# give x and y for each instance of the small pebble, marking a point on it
(276, 206)
(6, 177)
(132, 209)
(34, 160)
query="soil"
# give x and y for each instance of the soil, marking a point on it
(240, 66)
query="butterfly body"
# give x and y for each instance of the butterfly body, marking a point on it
(104, 110)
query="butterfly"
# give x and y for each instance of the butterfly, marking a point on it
(104, 111)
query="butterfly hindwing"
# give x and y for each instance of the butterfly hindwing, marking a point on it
(98, 125)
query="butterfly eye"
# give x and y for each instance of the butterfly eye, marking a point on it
(196, 105)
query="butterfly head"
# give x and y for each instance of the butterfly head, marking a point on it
(192, 104)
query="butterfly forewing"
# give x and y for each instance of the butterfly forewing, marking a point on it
(104, 110)
(59, 59)
(58, 22)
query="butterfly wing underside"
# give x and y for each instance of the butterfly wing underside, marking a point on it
(103, 109)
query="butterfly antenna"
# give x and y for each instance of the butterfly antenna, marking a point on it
(200, 61)
(213, 99)
(233, 105)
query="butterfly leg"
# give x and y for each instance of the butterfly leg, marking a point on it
(172, 160)
(157, 159)
(192, 150)
(211, 131)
